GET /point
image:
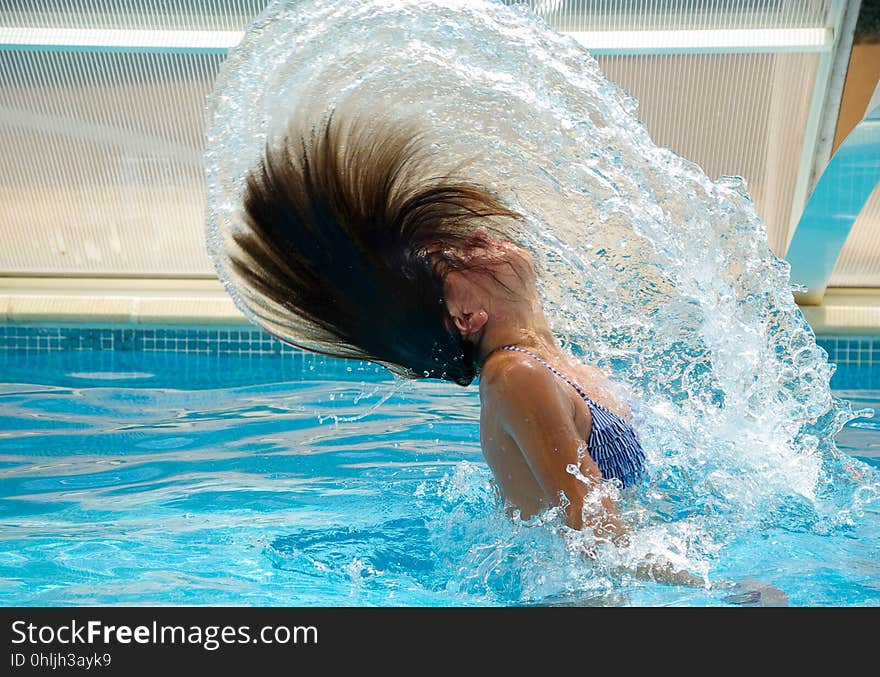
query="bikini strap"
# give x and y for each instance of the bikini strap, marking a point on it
(553, 369)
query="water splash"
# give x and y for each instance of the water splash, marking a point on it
(647, 266)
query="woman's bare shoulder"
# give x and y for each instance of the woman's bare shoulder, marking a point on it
(516, 385)
(511, 370)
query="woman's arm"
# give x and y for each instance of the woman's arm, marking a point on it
(541, 421)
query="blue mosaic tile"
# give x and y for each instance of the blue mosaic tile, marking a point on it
(206, 341)
(859, 350)
(252, 342)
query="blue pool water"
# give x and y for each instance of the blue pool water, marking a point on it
(194, 479)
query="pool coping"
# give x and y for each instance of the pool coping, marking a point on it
(202, 301)
(113, 301)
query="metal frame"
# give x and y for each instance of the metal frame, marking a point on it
(843, 15)
(712, 41)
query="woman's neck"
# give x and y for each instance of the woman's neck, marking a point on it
(528, 328)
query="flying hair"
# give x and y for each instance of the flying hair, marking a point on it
(346, 235)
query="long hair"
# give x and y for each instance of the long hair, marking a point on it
(344, 228)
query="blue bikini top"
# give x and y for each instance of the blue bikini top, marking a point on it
(612, 443)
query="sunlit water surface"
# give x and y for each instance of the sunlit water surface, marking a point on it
(148, 478)
(137, 478)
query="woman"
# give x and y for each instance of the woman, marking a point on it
(353, 246)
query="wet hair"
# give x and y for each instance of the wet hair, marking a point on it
(347, 235)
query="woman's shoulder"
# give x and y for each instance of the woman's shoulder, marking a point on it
(515, 385)
(517, 368)
(511, 373)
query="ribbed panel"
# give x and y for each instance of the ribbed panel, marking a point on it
(859, 261)
(568, 15)
(102, 164)
(634, 15)
(101, 168)
(741, 114)
(130, 14)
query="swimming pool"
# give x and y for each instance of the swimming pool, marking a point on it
(217, 467)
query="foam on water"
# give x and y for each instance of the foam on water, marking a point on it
(648, 267)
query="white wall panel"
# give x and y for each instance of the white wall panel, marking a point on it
(101, 170)
(131, 14)
(102, 165)
(741, 114)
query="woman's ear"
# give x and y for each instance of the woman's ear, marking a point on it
(464, 303)
(469, 323)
